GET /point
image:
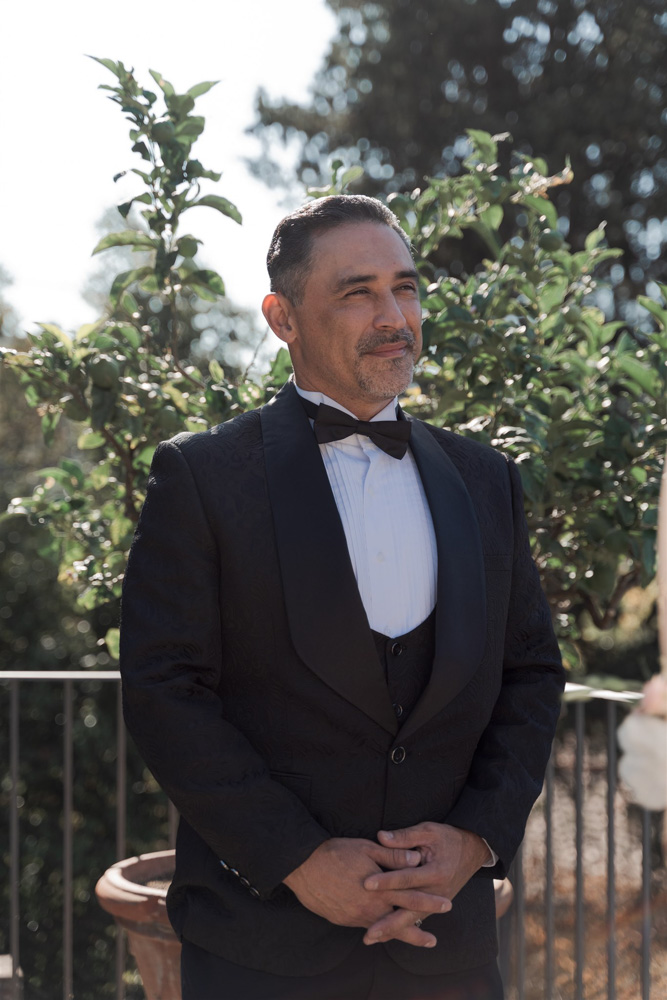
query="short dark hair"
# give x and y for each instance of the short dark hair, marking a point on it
(290, 254)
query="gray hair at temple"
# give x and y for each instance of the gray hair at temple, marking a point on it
(291, 251)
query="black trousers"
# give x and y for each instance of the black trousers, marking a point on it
(367, 974)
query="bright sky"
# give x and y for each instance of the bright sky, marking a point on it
(62, 140)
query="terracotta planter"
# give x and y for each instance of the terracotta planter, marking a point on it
(141, 911)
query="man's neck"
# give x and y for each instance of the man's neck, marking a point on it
(384, 411)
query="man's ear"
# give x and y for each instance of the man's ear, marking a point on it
(278, 314)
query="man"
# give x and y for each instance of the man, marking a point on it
(337, 658)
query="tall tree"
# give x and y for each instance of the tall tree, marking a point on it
(583, 79)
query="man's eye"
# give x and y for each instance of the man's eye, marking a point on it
(357, 291)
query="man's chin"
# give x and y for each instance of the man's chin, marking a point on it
(385, 378)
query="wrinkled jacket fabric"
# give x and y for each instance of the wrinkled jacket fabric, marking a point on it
(254, 692)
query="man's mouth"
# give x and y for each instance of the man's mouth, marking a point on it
(397, 347)
(390, 350)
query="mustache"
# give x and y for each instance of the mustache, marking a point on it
(372, 341)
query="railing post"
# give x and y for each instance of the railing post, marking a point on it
(579, 837)
(550, 928)
(121, 826)
(14, 859)
(520, 927)
(646, 904)
(68, 790)
(611, 851)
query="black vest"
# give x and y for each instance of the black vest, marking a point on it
(407, 661)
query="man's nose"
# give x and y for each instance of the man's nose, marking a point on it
(389, 314)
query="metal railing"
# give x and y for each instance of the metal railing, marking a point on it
(529, 957)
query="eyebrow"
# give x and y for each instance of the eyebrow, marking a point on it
(363, 279)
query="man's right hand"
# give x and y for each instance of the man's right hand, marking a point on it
(330, 883)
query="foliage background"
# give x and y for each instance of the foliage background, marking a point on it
(404, 79)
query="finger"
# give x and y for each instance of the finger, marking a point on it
(401, 878)
(400, 924)
(409, 836)
(394, 857)
(420, 902)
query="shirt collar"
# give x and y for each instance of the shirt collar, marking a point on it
(388, 413)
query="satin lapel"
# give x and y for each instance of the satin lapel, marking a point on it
(326, 616)
(461, 598)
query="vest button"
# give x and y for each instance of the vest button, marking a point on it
(398, 755)
(398, 709)
(396, 649)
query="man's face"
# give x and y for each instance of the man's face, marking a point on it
(357, 332)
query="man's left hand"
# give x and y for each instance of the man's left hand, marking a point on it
(450, 857)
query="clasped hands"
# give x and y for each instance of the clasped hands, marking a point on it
(426, 865)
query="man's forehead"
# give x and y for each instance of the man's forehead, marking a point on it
(360, 248)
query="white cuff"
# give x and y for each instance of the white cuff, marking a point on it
(494, 856)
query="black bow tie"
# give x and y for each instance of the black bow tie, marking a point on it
(332, 424)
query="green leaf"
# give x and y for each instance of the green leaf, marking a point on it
(59, 334)
(129, 304)
(483, 144)
(207, 279)
(90, 439)
(655, 309)
(54, 472)
(645, 378)
(129, 333)
(281, 366)
(594, 239)
(179, 106)
(125, 238)
(492, 216)
(126, 278)
(553, 293)
(112, 640)
(108, 64)
(120, 528)
(543, 207)
(201, 88)
(145, 456)
(163, 84)
(196, 424)
(220, 204)
(190, 129)
(124, 209)
(349, 176)
(74, 470)
(216, 370)
(50, 421)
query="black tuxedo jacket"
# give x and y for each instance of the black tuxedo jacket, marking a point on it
(254, 692)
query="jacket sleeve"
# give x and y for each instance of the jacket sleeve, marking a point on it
(171, 662)
(511, 757)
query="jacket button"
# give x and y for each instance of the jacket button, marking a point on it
(396, 649)
(398, 755)
(398, 709)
